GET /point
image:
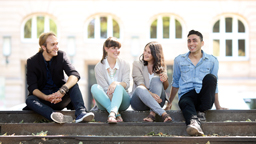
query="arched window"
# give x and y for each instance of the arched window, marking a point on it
(166, 27)
(230, 38)
(102, 27)
(36, 25)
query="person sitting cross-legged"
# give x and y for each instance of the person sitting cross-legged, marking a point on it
(49, 91)
(150, 82)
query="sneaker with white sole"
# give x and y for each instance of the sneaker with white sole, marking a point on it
(201, 116)
(87, 117)
(60, 118)
(194, 128)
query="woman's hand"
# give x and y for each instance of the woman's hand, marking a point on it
(112, 88)
(163, 77)
(156, 97)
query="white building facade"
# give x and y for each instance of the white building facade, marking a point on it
(228, 27)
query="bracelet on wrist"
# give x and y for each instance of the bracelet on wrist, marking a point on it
(62, 91)
(65, 88)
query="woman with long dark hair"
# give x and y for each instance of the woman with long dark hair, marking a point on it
(113, 80)
(150, 82)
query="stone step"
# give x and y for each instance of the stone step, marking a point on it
(133, 116)
(128, 139)
(128, 128)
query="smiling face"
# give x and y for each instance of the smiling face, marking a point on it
(147, 55)
(194, 43)
(112, 52)
(51, 48)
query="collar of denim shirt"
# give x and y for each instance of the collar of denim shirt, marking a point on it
(205, 56)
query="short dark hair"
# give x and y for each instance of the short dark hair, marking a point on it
(196, 33)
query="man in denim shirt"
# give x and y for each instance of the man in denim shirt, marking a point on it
(195, 79)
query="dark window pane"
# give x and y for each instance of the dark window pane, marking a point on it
(178, 29)
(166, 27)
(228, 24)
(91, 81)
(216, 47)
(40, 25)
(27, 29)
(228, 47)
(90, 29)
(103, 27)
(241, 47)
(153, 29)
(53, 26)
(216, 27)
(116, 29)
(240, 26)
(169, 74)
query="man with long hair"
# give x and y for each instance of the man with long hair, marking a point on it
(47, 86)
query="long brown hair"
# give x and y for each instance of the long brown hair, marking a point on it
(42, 39)
(158, 57)
(110, 42)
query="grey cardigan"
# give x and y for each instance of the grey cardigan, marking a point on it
(101, 74)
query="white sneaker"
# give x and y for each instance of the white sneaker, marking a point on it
(194, 129)
(60, 118)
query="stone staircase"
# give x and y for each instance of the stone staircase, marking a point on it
(221, 127)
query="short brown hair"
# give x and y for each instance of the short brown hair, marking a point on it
(42, 39)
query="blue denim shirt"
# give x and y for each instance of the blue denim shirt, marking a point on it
(187, 77)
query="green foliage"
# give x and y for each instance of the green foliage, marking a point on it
(156, 134)
(27, 29)
(42, 133)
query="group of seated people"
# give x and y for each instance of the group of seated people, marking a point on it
(194, 79)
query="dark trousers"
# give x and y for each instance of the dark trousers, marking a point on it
(46, 108)
(192, 102)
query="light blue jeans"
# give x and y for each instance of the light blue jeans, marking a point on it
(142, 100)
(120, 100)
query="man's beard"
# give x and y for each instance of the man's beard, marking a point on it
(48, 51)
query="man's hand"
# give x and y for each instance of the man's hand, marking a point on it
(217, 103)
(50, 98)
(55, 97)
(221, 108)
(168, 106)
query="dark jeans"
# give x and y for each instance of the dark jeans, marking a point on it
(46, 108)
(192, 102)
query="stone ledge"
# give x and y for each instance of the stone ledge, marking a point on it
(133, 116)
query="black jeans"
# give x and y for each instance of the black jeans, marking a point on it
(46, 108)
(192, 102)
